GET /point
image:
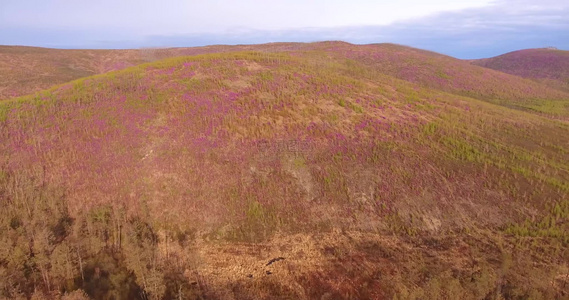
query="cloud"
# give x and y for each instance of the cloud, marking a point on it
(472, 33)
(193, 16)
(502, 26)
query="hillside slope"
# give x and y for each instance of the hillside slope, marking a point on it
(26, 69)
(549, 66)
(196, 175)
(436, 71)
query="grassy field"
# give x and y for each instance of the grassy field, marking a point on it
(375, 171)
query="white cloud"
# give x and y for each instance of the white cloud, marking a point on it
(193, 16)
(463, 29)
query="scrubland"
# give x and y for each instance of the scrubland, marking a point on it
(373, 171)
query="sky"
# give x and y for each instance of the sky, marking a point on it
(460, 28)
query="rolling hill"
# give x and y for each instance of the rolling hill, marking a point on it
(48, 67)
(304, 171)
(25, 70)
(550, 66)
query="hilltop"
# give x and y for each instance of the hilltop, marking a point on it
(547, 65)
(295, 171)
(441, 72)
(24, 70)
(48, 67)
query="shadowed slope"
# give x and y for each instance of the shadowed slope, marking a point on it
(25, 70)
(182, 164)
(550, 66)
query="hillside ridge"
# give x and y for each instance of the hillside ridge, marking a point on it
(548, 66)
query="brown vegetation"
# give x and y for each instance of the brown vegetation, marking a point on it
(185, 177)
